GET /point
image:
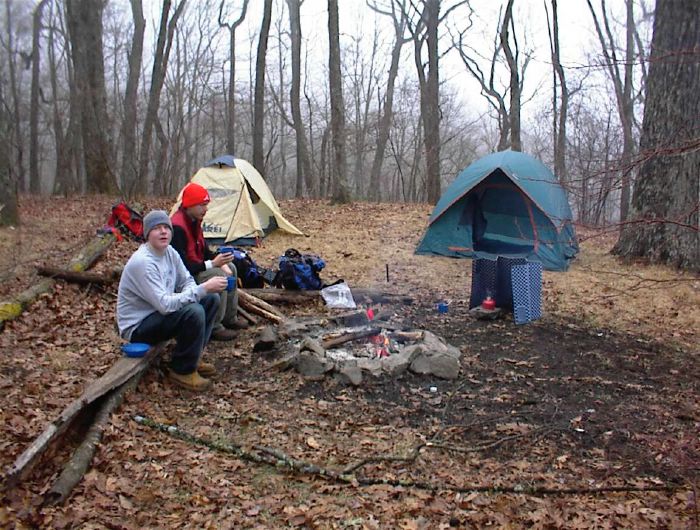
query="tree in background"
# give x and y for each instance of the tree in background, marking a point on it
(423, 21)
(12, 97)
(128, 129)
(397, 11)
(259, 102)
(9, 213)
(84, 19)
(560, 112)
(340, 192)
(34, 180)
(515, 87)
(664, 222)
(425, 33)
(623, 87)
(302, 151)
(231, 99)
(160, 65)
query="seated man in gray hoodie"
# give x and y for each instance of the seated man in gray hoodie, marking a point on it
(158, 300)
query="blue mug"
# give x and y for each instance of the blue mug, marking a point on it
(230, 283)
(442, 307)
(225, 250)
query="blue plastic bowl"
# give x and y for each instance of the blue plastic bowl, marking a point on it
(135, 349)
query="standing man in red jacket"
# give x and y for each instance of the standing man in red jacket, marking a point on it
(188, 240)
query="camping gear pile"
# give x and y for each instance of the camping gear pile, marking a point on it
(124, 221)
(299, 271)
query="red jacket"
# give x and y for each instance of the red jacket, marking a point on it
(188, 240)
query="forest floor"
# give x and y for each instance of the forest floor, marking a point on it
(587, 418)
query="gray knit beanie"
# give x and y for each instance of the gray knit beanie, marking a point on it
(153, 219)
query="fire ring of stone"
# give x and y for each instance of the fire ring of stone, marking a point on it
(420, 352)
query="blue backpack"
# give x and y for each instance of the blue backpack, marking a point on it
(299, 271)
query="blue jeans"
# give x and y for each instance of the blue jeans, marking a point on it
(190, 326)
(228, 310)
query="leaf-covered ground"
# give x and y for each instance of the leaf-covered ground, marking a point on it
(588, 418)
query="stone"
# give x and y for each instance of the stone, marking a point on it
(397, 363)
(435, 357)
(349, 375)
(310, 364)
(486, 314)
(439, 365)
(287, 361)
(373, 366)
(309, 344)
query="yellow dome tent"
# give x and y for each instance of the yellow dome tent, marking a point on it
(242, 208)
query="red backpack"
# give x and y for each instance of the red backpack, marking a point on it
(127, 220)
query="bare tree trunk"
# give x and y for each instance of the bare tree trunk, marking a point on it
(84, 19)
(622, 84)
(34, 177)
(160, 185)
(664, 224)
(231, 94)
(9, 213)
(259, 103)
(515, 86)
(399, 21)
(560, 114)
(489, 90)
(129, 159)
(15, 136)
(325, 172)
(74, 138)
(364, 78)
(302, 151)
(62, 176)
(160, 66)
(430, 95)
(340, 193)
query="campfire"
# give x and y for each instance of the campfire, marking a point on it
(321, 347)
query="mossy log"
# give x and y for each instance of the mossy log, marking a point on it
(11, 309)
(79, 277)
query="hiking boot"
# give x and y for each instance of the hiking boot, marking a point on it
(191, 381)
(206, 369)
(224, 334)
(239, 323)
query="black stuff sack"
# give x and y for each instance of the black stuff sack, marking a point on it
(299, 272)
(249, 274)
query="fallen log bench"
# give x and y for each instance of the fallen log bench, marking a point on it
(103, 395)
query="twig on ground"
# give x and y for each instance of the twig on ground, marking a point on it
(281, 460)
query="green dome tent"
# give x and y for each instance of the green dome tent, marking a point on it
(506, 204)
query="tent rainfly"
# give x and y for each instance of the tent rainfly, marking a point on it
(505, 204)
(242, 208)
